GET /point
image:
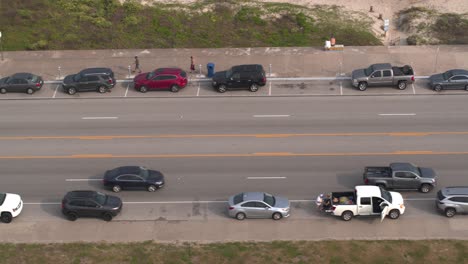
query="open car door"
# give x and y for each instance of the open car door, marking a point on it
(385, 210)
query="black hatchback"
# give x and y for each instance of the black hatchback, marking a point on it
(92, 79)
(22, 82)
(133, 177)
(90, 204)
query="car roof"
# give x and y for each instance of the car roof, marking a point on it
(254, 196)
(22, 75)
(455, 190)
(368, 190)
(402, 166)
(381, 66)
(96, 70)
(459, 72)
(81, 194)
(128, 170)
(168, 70)
(247, 67)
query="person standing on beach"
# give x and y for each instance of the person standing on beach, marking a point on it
(137, 65)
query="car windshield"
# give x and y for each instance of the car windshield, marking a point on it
(239, 198)
(269, 199)
(144, 172)
(386, 195)
(228, 73)
(76, 77)
(101, 198)
(415, 169)
(440, 196)
(369, 70)
(150, 75)
(2, 198)
(447, 75)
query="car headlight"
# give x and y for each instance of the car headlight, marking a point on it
(159, 182)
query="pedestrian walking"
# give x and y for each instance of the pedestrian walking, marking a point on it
(192, 65)
(137, 65)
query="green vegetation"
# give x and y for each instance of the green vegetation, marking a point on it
(426, 26)
(105, 24)
(362, 252)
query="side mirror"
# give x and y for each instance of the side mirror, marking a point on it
(383, 204)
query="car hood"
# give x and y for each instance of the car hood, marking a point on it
(359, 73)
(155, 176)
(219, 76)
(140, 77)
(281, 202)
(437, 78)
(113, 201)
(69, 79)
(397, 199)
(427, 173)
(11, 201)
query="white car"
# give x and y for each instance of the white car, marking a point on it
(10, 206)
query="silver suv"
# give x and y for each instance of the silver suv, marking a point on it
(258, 205)
(453, 200)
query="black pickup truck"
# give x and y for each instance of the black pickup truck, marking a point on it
(401, 176)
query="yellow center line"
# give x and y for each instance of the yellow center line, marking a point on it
(358, 134)
(229, 155)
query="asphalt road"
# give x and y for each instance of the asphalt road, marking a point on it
(210, 148)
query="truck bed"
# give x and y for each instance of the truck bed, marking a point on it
(343, 198)
(402, 71)
(377, 172)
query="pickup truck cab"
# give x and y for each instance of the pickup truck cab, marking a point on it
(367, 201)
(401, 175)
(382, 74)
(11, 206)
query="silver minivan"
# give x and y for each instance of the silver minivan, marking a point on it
(258, 205)
(453, 200)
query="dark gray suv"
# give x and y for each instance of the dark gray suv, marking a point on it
(90, 204)
(91, 79)
(453, 200)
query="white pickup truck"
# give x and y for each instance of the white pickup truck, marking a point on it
(10, 206)
(365, 200)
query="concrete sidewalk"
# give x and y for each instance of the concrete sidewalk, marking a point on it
(285, 62)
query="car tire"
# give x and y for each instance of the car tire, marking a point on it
(466, 87)
(6, 217)
(277, 216)
(3, 91)
(143, 89)
(29, 91)
(362, 86)
(71, 91)
(240, 216)
(107, 217)
(253, 87)
(174, 88)
(402, 85)
(102, 89)
(222, 88)
(72, 216)
(450, 212)
(347, 215)
(425, 188)
(438, 88)
(394, 214)
(152, 188)
(116, 188)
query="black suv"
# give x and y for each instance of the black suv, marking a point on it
(90, 204)
(21, 82)
(91, 79)
(249, 76)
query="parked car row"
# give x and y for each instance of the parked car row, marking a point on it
(372, 199)
(248, 76)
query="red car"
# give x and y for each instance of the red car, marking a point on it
(161, 79)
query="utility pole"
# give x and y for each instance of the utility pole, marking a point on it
(1, 44)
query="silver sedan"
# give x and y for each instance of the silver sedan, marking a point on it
(258, 205)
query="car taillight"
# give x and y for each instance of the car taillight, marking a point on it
(264, 79)
(63, 204)
(412, 78)
(103, 181)
(366, 181)
(38, 84)
(110, 81)
(230, 207)
(333, 208)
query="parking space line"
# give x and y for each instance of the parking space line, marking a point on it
(55, 93)
(341, 88)
(269, 90)
(265, 178)
(414, 91)
(198, 90)
(403, 114)
(128, 85)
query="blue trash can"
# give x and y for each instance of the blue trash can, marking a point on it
(210, 68)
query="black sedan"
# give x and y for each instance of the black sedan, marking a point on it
(133, 177)
(453, 79)
(21, 82)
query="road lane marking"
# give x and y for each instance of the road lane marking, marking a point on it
(55, 93)
(357, 134)
(80, 180)
(405, 114)
(238, 155)
(128, 85)
(99, 117)
(198, 90)
(414, 91)
(341, 88)
(265, 178)
(271, 115)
